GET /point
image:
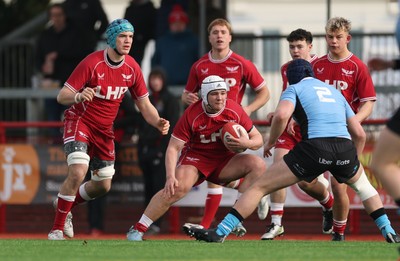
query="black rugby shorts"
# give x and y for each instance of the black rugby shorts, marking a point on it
(310, 158)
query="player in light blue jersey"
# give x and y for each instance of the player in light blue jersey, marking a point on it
(331, 139)
(319, 112)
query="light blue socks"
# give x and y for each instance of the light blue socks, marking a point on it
(227, 224)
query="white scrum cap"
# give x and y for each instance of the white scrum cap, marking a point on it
(211, 83)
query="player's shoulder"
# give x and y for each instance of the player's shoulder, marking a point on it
(194, 107)
(238, 57)
(354, 58)
(314, 57)
(320, 59)
(96, 55)
(93, 59)
(129, 60)
(231, 104)
(204, 59)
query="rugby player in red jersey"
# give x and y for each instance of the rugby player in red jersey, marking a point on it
(95, 90)
(237, 73)
(347, 73)
(300, 45)
(196, 152)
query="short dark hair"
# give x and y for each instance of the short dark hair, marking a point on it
(300, 34)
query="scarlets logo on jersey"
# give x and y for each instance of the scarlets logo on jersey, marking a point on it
(347, 72)
(82, 134)
(232, 69)
(280, 141)
(192, 159)
(126, 78)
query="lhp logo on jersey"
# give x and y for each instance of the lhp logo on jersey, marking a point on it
(20, 177)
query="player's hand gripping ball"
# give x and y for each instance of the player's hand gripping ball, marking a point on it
(231, 129)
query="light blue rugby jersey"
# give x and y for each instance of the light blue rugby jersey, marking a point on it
(320, 110)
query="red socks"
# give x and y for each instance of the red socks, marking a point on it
(62, 209)
(211, 207)
(140, 227)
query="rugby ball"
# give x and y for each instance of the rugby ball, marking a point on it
(232, 129)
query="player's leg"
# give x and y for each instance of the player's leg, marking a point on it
(239, 230)
(384, 163)
(78, 162)
(341, 206)
(373, 205)
(278, 176)
(318, 189)
(245, 167)
(102, 172)
(248, 167)
(263, 206)
(252, 167)
(214, 196)
(213, 199)
(187, 176)
(277, 204)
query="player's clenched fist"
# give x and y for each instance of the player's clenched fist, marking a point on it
(163, 126)
(86, 95)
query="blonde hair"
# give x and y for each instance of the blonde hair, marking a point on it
(338, 23)
(221, 22)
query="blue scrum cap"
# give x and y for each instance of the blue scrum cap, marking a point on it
(297, 70)
(115, 28)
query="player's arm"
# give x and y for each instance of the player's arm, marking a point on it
(189, 95)
(281, 117)
(254, 142)
(255, 139)
(189, 98)
(379, 64)
(357, 133)
(66, 96)
(150, 114)
(261, 98)
(365, 110)
(171, 158)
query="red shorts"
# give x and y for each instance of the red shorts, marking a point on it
(100, 141)
(287, 141)
(209, 165)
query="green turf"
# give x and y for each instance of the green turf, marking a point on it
(187, 250)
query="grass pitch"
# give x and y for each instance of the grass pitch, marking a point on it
(187, 250)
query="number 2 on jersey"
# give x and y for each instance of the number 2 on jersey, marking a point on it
(323, 93)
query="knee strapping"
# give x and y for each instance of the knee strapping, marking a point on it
(103, 173)
(363, 187)
(321, 178)
(78, 157)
